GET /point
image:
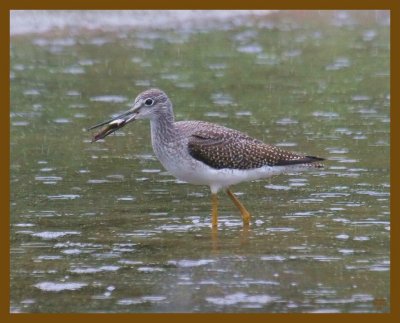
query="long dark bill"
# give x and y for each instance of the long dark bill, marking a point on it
(112, 125)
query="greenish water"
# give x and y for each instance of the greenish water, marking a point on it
(103, 228)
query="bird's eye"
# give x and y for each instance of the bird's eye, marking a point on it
(149, 102)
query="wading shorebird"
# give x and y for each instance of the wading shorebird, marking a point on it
(205, 153)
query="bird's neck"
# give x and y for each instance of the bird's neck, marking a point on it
(162, 127)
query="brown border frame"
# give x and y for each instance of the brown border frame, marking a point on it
(6, 6)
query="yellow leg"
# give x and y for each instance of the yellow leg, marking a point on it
(245, 214)
(214, 212)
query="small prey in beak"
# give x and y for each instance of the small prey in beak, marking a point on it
(113, 125)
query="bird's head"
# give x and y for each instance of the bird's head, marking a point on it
(149, 104)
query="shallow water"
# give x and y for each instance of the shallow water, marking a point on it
(103, 228)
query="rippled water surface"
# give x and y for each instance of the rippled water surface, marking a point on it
(103, 227)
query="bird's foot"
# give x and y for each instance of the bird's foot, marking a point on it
(246, 218)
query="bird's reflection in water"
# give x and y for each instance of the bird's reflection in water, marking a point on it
(244, 238)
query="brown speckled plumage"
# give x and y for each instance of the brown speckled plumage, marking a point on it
(220, 147)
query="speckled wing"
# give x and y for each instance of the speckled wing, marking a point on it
(220, 147)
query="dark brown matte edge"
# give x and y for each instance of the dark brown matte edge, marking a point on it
(6, 6)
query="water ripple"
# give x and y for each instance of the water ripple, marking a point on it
(237, 298)
(59, 287)
(54, 234)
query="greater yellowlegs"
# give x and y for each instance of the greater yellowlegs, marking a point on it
(205, 153)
